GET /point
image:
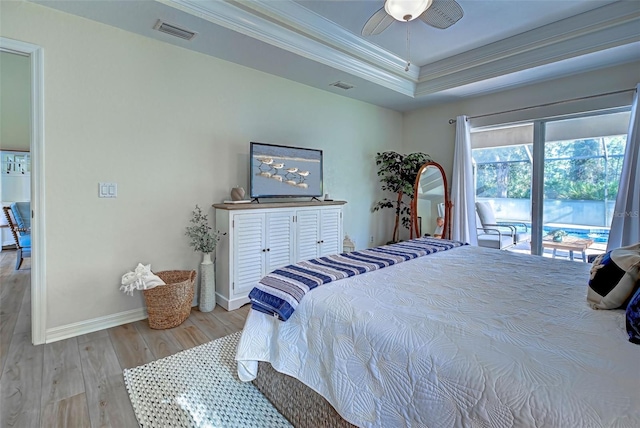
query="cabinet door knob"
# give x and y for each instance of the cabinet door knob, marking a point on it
(263, 250)
(268, 249)
(322, 241)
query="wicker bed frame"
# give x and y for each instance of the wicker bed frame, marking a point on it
(301, 405)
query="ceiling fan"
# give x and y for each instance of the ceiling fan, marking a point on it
(437, 13)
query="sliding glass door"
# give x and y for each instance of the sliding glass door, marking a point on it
(582, 165)
(557, 177)
(503, 174)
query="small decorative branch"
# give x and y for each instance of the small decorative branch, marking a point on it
(203, 238)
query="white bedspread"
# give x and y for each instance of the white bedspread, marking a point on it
(469, 337)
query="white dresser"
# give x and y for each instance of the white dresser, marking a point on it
(263, 237)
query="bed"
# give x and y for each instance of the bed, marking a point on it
(465, 337)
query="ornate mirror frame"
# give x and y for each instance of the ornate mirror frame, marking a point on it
(415, 230)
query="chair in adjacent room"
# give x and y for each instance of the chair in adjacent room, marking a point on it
(18, 217)
(500, 235)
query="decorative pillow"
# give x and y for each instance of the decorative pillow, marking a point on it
(615, 277)
(633, 318)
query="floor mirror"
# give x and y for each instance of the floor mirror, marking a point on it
(430, 207)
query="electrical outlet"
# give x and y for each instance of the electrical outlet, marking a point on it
(371, 239)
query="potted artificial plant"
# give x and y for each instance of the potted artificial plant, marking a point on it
(204, 239)
(397, 174)
(557, 235)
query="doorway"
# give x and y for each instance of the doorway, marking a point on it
(37, 289)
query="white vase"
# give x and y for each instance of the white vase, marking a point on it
(207, 300)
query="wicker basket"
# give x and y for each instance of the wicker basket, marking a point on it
(169, 305)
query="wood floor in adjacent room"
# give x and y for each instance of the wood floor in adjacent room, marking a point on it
(78, 382)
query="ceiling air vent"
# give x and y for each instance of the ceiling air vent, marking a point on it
(174, 30)
(342, 85)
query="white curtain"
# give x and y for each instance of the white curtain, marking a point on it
(463, 223)
(625, 227)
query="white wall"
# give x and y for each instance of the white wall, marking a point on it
(15, 102)
(429, 130)
(172, 128)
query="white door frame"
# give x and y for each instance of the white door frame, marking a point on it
(38, 260)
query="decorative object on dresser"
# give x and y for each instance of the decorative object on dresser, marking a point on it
(397, 174)
(237, 193)
(204, 239)
(267, 236)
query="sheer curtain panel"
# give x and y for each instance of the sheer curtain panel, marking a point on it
(625, 226)
(463, 222)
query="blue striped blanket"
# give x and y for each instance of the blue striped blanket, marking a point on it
(280, 292)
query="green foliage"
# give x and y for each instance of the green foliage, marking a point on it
(397, 174)
(203, 238)
(573, 170)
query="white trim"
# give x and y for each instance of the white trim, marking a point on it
(251, 24)
(604, 28)
(231, 304)
(96, 324)
(38, 231)
(309, 22)
(290, 26)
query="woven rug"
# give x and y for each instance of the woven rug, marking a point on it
(199, 387)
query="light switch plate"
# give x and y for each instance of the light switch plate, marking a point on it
(107, 190)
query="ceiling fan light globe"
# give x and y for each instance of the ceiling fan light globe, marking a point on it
(406, 10)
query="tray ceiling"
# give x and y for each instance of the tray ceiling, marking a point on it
(495, 46)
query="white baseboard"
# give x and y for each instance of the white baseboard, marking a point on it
(96, 324)
(233, 304)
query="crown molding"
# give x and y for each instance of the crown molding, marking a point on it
(264, 27)
(603, 28)
(294, 28)
(310, 24)
(524, 61)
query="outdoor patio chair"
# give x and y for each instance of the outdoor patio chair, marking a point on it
(18, 217)
(500, 235)
(493, 237)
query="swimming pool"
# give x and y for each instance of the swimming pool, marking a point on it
(597, 234)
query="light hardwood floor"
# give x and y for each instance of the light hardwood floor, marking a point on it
(78, 382)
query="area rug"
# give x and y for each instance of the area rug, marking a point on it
(199, 388)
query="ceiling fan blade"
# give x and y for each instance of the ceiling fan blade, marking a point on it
(442, 14)
(377, 23)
